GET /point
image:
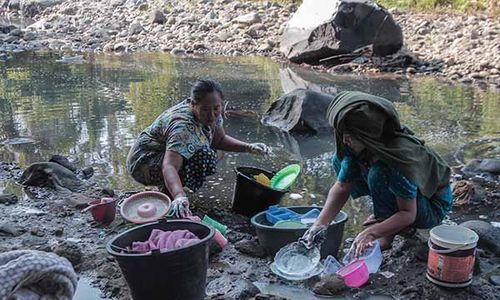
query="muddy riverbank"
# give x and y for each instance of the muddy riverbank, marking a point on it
(44, 221)
(460, 47)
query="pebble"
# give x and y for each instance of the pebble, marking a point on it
(295, 196)
(495, 279)
(483, 217)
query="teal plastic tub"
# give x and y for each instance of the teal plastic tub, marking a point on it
(272, 238)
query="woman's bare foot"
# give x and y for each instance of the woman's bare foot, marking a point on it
(386, 242)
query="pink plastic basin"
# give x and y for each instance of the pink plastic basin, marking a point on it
(354, 274)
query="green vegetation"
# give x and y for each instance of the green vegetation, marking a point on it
(491, 7)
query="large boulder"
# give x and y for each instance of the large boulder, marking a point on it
(300, 110)
(321, 29)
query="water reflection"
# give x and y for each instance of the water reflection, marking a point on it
(93, 111)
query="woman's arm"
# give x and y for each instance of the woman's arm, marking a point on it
(224, 142)
(400, 220)
(337, 197)
(403, 218)
(172, 163)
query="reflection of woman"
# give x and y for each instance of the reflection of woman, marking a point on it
(376, 156)
(178, 149)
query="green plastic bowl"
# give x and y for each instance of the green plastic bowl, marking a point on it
(290, 224)
(285, 177)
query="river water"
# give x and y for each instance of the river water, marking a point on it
(92, 112)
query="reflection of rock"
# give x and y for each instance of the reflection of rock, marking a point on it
(299, 111)
(324, 28)
(292, 79)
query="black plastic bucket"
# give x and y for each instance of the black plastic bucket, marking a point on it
(251, 197)
(273, 239)
(176, 274)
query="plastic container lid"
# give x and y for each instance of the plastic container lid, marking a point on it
(372, 256)
(296, 260)
(290, 224)
(453, 237)
(285, 177)
(316, 271)
(145, 207)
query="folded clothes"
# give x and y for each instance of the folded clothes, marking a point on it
(166, 240)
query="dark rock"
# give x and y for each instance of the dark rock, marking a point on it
(251, 248)
(63, 161)
(50, 174)
(108, 192)
(157, 17)
(70, 251)
(495, 279)
(478, 226)
(10, 229)
(489, 236)
(87, 172)
(8, 199)
(300, 110)
(329, 285)
(410, 290)
(37, 231)
(341, 29)
(59, 231)
(243, 289)
(7, 28)
(489, 167)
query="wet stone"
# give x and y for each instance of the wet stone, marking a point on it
(329, 285)
(37, 231)
(69, 250)
(10, 229)
(495, 279)
(251, 248)
(268, 297)
(8, 199)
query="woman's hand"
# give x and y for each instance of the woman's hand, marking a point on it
(363, 241)
(180, 207)
(259, 149)
(316, 234)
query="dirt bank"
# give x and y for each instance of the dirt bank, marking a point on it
(45, 221)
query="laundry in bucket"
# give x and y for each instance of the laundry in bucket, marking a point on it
(166, 240)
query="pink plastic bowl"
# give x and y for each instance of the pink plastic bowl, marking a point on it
(354, 274)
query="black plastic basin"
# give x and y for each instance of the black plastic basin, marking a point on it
(273, 239)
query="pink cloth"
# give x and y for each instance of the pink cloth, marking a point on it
(166, 240)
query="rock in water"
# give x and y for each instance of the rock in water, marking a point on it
(324, 28)
(300, 110)
(52, 174)
(329, 285)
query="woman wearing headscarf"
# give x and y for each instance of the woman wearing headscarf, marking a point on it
(377, 156)
(179, 148)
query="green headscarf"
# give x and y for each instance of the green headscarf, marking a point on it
(375, 122)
